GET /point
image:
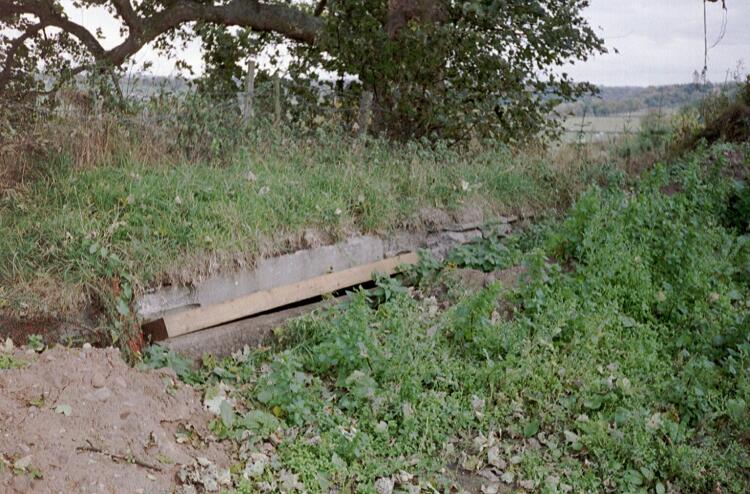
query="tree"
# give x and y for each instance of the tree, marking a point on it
(437, 67)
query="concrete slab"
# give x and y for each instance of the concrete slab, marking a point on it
(301, 265)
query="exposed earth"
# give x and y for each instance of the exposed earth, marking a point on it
(82, 420)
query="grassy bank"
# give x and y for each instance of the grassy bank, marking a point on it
(621, 366)
(130, 217)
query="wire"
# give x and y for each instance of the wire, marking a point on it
(705, 44)
(723, 30)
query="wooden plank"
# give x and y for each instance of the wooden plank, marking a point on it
(188, 321)
(220, 341)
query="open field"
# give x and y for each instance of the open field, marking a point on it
(592, 128)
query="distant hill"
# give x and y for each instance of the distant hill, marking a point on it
(624, 99)
(611, 100)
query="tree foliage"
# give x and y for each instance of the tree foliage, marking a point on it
(455, 69)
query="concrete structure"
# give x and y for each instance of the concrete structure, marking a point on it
(288, 269)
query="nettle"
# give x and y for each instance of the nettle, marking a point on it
(625, 367)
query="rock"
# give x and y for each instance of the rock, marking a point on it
(97, 380)
(469, 215)
(527, 484)
(8, 345)
(87, 346)
(255, 466)
(101, 394)
(433, 218)
(384, 485)
(22, 463)
(494, 459)
(491, 488)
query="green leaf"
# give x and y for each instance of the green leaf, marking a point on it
(227, 414)
(259, 422)
(531, 428)
(593, 402)
(627, 322)
(122, 307)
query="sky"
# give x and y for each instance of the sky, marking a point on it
(658, 41)
(661, 41)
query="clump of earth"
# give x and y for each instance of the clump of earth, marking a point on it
(82, 420)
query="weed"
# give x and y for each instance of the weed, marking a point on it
(625, 371)
(35, 342)
(486, 254)
(157, 356)
(10, 362)
(113, 207)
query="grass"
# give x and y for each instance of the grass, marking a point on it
(102, 229)
(623, 366)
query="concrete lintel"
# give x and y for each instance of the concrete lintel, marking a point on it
(291, 268)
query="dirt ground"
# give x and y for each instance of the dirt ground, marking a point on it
(81, 420)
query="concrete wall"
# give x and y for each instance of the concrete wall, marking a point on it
(305, 264)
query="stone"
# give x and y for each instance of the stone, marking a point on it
(384, 485)
(97, 380)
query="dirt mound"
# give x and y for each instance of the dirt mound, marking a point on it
(81, 420)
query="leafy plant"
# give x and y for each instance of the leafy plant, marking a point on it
(486, 254)
(10, 362)
(626, 360)
(158, 356)
(35, 342)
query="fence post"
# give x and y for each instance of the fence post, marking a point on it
(247, 107)
(583, 125)
(277, 98)
(365, 107)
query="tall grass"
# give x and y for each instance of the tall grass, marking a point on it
(168, 193)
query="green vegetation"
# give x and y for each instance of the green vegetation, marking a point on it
(107, 228)
(612, 100)
(451, 70)
(10, 362)
(621, 364)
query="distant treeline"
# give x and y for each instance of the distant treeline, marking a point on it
(617, 100)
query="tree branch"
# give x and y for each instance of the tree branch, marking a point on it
(320, 7)
(289, 21)
(125, 10)
(10, 56)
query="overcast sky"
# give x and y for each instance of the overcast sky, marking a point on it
(659, 41)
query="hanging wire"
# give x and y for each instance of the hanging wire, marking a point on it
(723, 31)
(705, 44)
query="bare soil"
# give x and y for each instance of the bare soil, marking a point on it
(82, 420)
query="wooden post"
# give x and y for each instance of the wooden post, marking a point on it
(98, 104)
(247, 107)
(277, 98)
(365, 107)
(583, 125)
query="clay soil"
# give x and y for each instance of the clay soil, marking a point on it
(81, 420)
